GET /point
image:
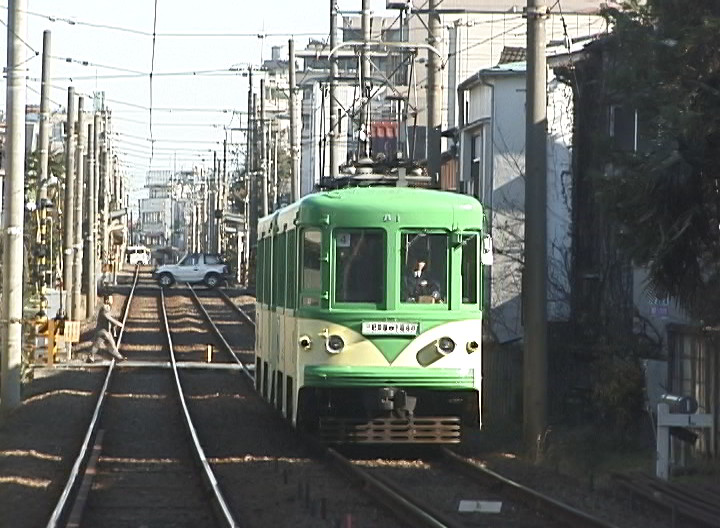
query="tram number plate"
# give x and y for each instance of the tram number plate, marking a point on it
(390, 328)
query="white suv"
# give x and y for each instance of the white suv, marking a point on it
(194, 268)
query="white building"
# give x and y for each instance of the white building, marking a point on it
(492, 167)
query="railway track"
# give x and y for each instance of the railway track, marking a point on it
(135, 468)
(141, 462)
(411, 498)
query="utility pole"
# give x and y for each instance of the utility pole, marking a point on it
(105, 179)
(434, 95)
(13, 216)
(93, 211)
(334, 121)
(247, 203)
(221, 197)
(89, 253)
(69, 206)
(365, 84)
(535, 351)
(263, 150)
(254, 210)
(44, 147)
(78, 217)
(294, 183)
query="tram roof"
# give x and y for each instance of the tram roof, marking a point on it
(375, 206)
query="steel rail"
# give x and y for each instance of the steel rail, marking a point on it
(209, 475)
(61, 507)
(397, 503)
(219, 335)
(235, 307)
(559, 511)
(405, 507)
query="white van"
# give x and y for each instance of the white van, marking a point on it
(137, 255)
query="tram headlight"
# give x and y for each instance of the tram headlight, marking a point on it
(472, 346)
(334, 344)
(445, 345)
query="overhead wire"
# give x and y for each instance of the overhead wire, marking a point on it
(152, 65)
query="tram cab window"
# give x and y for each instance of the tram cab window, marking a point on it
(359, 266)
(424, 267)
(470, 269)
(311, 271)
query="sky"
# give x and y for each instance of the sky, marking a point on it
(102, 45)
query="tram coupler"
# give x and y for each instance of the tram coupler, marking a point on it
(390, 400)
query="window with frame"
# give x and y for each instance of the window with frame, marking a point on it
(311, 267)
(424, 267)
(279, 270)
(469, 269)
(359, 266)
(291, 269)
(260, 271)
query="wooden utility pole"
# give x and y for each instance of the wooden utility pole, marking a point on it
(535, 292)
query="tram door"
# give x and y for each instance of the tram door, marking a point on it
(274, 379)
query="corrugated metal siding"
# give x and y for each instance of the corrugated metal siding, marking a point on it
(694, 370)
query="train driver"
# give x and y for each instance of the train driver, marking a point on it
(419, 286)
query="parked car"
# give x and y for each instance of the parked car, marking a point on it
(207, 268)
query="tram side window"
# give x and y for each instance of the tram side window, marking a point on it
(291, 270)
(260, 271)
(424, 267)
(359, 266)
(268, 267)
(279, 270)
(311, 270)
(470, 269)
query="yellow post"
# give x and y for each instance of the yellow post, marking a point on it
(51, 343)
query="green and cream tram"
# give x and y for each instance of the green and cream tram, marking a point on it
(369, 309)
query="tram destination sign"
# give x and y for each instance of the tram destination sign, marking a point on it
(389, 328)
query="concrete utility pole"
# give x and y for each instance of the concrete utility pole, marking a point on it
(294, 151)
(105, 179)
(44, 148)
(535, 353)
(78, 216)
(13, 216)
(69, 205)
(89, 253)
(248, 185)
(254, 197)
(93, 211)
(365, 84)
(334, 121)
(263, 151)
(434, 95)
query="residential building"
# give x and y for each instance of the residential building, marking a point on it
(492, 168)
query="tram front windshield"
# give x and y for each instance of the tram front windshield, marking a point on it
(359, 266)
(425, 267)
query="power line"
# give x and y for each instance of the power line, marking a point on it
(152, 66)
(140, 32)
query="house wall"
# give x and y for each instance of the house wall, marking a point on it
(493, 169)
